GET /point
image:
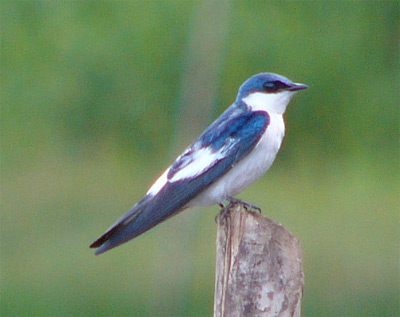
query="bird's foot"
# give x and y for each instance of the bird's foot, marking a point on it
(248, 206)
(225, 210)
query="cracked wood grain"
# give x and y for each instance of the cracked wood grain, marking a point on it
(259, 267)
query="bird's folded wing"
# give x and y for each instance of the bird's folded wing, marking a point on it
(228, 140)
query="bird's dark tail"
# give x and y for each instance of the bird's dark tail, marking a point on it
(147, 213)
(124, 229)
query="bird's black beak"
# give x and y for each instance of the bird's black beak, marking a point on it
(296, 86)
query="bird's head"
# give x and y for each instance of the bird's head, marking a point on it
(268, 92)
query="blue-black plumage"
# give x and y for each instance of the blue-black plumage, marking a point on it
(234, 151)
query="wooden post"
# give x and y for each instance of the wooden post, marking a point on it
(259, 267)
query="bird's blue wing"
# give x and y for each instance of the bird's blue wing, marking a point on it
(221, 146)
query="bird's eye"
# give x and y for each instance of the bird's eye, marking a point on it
(273, 86)
(270, 86)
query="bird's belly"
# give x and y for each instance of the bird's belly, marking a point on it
(248, 170)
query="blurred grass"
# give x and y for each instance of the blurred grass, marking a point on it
(89, 101)
(350, 252)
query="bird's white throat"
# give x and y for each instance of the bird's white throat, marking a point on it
(272, 103)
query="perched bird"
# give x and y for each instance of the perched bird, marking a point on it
(233, 152)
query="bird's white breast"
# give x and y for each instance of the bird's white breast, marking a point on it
(248, 170)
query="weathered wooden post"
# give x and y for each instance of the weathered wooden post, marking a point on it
(259, 267)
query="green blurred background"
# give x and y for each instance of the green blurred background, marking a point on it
(97, 98)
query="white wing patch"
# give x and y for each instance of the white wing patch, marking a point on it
(158, 184)
(202, 160)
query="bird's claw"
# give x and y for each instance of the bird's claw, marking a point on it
(232, 201)
(248, 206)
(224, 211)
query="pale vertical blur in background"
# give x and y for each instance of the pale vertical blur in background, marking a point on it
(97, 98)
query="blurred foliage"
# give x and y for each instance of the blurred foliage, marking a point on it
(89, 105)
